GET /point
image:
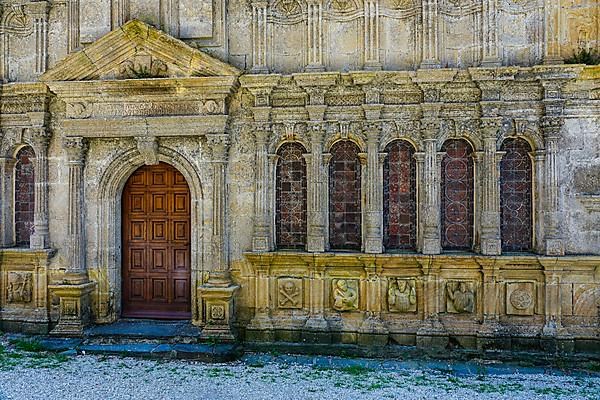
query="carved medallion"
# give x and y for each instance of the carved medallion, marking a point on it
(344, 294)
(217, 312)
(460, 297)
(19, 287)
(289, 293)
(520, 299)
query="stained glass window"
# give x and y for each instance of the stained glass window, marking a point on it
(345, 197)
(24, 196)
(457, 195)
(291, 197)
(516, 196)
(399, 197)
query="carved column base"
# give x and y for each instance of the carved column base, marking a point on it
(315, 244)
(314, 68)
(39, 241)
(491, 247)
(432, 335)
(555, 247)
(373, 66)
(373, 246)
(75, 310)
(431, 246)
(217, 308)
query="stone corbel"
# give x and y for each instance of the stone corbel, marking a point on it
(147, 146)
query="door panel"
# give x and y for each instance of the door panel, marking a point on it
(156, 244)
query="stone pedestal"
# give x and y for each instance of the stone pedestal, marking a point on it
(74, 308)
(217, 311)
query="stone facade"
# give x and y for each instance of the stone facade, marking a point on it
(283, 116)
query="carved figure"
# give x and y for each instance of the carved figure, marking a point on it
(19, 287)
(290, 294)
(345, 295)
(460, 297)
(402, 296)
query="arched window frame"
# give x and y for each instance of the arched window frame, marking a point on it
(413, 243)
(361, 158)
(472, 158)
(533, 195)
(276, 164)
(21, 238)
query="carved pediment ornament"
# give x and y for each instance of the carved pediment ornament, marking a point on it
(15, 21)
(145, 52)
(288, 7)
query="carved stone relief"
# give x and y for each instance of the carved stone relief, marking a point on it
(344, 294)
(520, 298)
(289, 294)
(402, 295)
(19, 287)
(460, 297)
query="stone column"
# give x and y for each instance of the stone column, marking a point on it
(262, 238)
(490, 333)
(552, 29)
(316, 190)
(259, 37)
(315, 36)
(217, 295)
(554, 244)
(74, 291)
(490, 189)
(430, 56)
(431, 189)
(39, 14)
(420, 164)
(372, 62)
(40, 239)
(554, 335)
(491, 54)
(76, 149)
(119, 10)
(374, 204)
(539, 157)
(73, 42)
(7, 167)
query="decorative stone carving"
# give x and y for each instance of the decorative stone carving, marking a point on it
(345, 294)
(460, 297)
(402, 295)
(148, 148)
(289, 293)
(520, 298)
(143, 66)
(19, 287)
(217, 312)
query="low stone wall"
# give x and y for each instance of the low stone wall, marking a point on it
(430, 301)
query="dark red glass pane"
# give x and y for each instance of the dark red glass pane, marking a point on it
(457, 195)
(516, 196)
(399, 197)
(291, 197)
(344, 197)
(24, 196)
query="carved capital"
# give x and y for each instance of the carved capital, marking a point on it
(430, 128)
(219, 145)
(147, 146)
(551, 126)
(76, 148)
(491, 127)
(40, 138)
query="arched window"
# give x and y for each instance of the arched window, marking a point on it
(344, 197)
(457, 195)
(24, 195)
(516, 196)
(399, 197)
(291, 197)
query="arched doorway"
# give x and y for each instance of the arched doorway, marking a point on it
(156, 273)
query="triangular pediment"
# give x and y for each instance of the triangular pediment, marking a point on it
(137, 51)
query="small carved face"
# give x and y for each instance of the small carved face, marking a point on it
(289, 287)
(402, 285)
(462, 287)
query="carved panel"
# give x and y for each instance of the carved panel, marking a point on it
(290, 293)
(461, 32)
(343, 35)
(344, 294)
(402, 295)
(520, 298)
(19, 287)
(460, 297)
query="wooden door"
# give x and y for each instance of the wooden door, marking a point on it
(156, 244)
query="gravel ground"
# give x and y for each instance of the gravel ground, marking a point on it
(28, 373)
